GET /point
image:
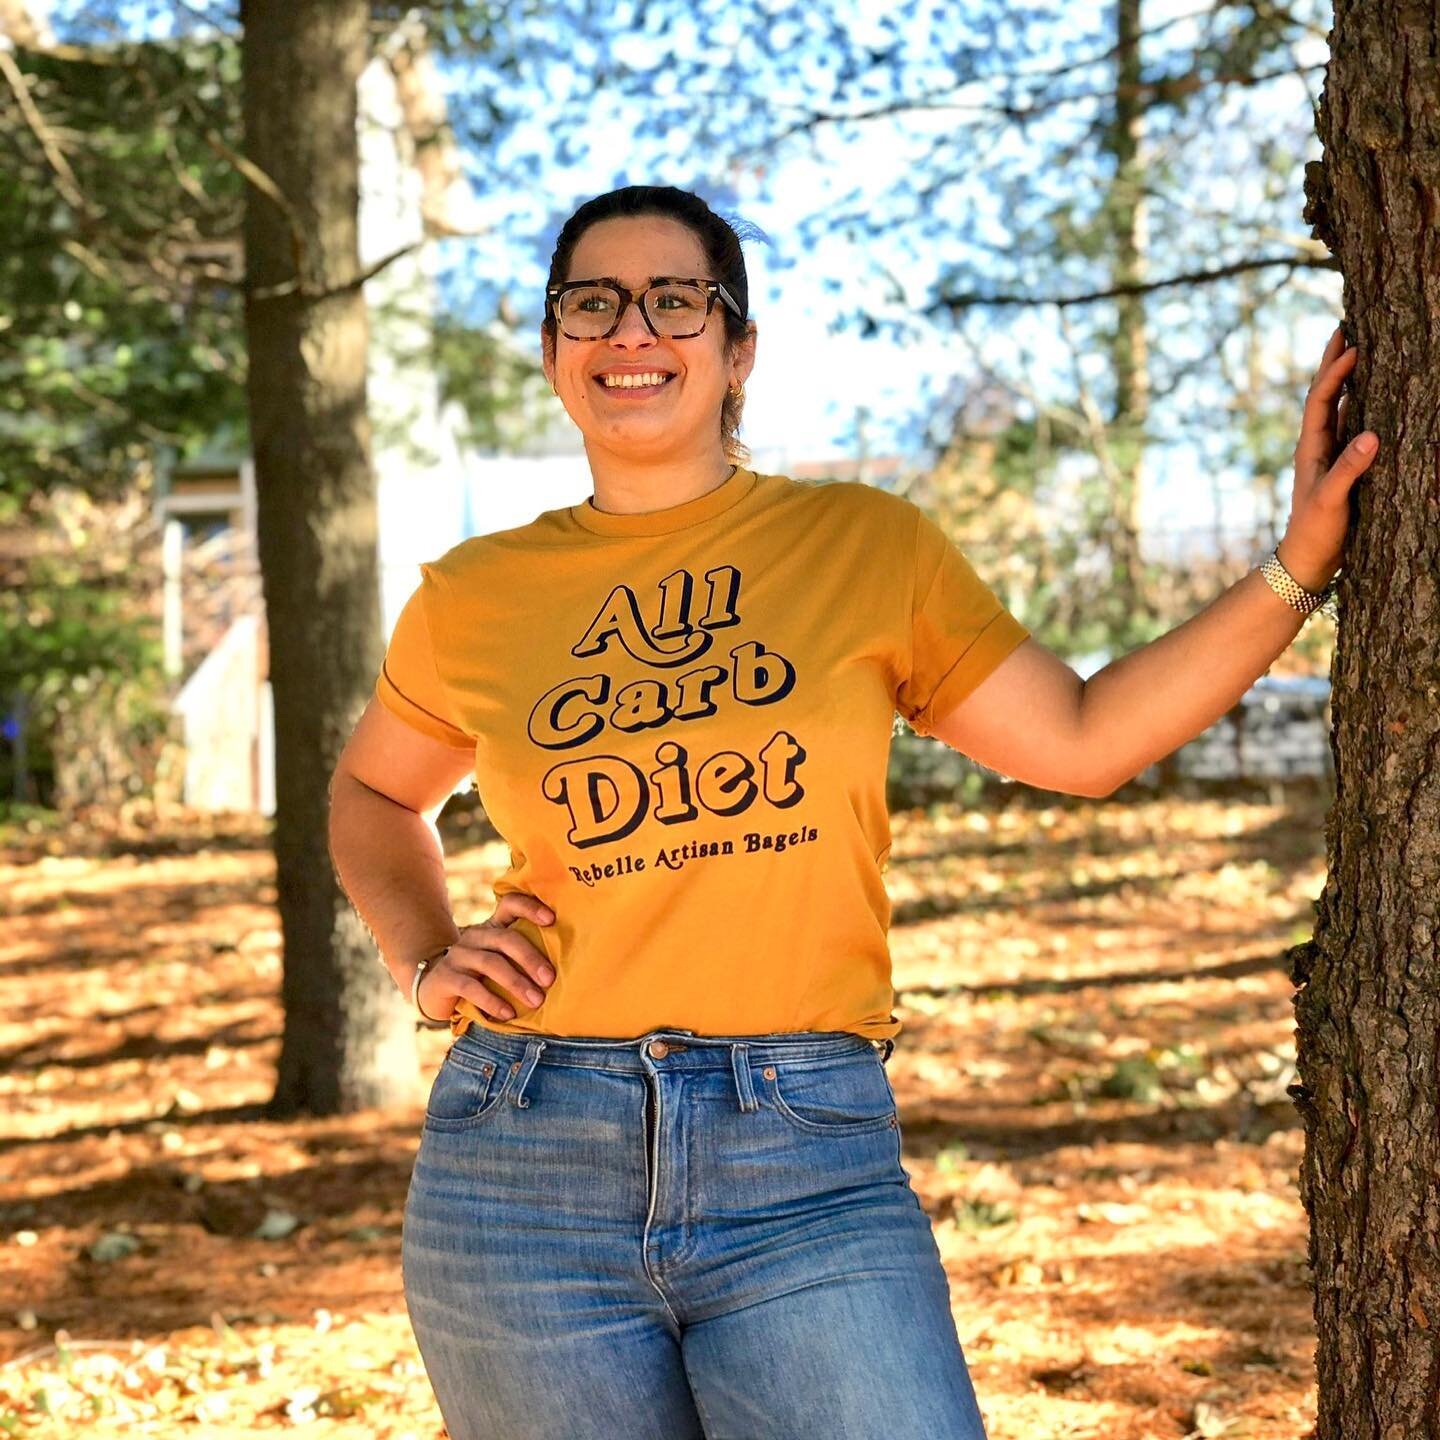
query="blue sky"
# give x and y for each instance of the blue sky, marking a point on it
(809, 383)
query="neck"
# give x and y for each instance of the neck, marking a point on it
(627, 486)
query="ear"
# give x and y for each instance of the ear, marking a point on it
(743, 359)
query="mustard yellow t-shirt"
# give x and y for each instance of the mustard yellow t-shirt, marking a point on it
(681, 725)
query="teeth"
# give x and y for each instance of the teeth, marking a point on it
(629, 382)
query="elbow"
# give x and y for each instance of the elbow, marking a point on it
(333, 790)
(338, 795)
(1102, 788)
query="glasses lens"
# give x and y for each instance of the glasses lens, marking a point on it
(677, 309)
(589, 310)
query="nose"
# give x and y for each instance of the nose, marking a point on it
(632, 329)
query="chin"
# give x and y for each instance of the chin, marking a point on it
(645, 443)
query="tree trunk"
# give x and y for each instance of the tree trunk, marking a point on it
(1129, 350)
(349, 1037)
(1368, 1010)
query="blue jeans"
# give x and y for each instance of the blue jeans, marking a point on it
(677, 1237)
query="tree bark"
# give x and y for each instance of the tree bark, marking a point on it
(1368, 1006)
(1129, 349)
(349, 1039)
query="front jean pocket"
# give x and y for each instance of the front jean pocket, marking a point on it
(466, 1091)
(849, 1098)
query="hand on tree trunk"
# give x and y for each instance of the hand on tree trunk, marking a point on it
(1320, 504)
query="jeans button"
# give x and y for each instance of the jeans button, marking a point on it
(658, 1049)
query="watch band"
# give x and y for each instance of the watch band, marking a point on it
(1291, 591)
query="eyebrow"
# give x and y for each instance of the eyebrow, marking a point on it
(616, 281)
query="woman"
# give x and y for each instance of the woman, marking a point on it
(659, 1190)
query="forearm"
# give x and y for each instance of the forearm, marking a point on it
(1147, 704)
(391, 865)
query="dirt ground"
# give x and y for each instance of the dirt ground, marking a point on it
(1098, 1036)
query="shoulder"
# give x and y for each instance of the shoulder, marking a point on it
(485, 556)
(850, 501)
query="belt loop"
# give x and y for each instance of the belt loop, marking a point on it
(889, 1048)
(527, 1067)
(740, 1064)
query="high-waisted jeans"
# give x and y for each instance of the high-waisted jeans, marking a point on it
(677, 1238)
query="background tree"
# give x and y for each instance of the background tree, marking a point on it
(349, 1039)
(126, 349)
(1368, 1008)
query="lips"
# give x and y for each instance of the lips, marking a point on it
(632, 389)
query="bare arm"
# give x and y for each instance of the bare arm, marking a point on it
(1144, 705)
(1034, 719)
(389, 785)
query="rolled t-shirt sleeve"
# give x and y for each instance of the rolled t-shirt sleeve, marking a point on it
(409, 684)
(959, 630)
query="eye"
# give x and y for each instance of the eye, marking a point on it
(679, 297)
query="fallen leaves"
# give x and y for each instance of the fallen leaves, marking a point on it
(114, 1245)
(1053, 1038)
(190, 1381)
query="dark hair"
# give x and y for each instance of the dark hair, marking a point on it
(721, 244)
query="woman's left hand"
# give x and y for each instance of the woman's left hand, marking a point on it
(1320, 506)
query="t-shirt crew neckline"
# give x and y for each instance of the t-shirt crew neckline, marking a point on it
(730, 491)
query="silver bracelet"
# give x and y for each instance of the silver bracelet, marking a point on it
(420, 970)
(1292, 592)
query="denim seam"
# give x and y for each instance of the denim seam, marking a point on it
(490, 1102)
(744, 1084)
(851, 1128)
(533, 1050)
(648, 1078)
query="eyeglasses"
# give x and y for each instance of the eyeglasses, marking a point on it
(674, 308)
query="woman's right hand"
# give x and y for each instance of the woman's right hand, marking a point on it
(494, 950)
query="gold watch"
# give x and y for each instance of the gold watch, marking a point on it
(1291, 591)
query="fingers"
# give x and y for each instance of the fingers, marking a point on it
(516, 903)
(1333, 346)
(1328, 382)
(461, 982)
(1320, 421)
(497, 952)
(1353, 461)
(507, 957)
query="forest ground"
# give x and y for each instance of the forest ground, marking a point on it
(1098, 1035)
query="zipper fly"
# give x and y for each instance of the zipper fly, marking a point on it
(652, 1110)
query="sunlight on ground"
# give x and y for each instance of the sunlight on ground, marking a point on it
(1092, 1076)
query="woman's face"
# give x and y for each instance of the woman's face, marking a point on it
(683, 416)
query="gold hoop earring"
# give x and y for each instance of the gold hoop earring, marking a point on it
(736, 391)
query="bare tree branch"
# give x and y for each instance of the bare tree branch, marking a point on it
(1165, 90)
(957, 303)
(65, 179)
(293, 286)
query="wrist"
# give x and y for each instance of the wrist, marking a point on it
(420, 969)
(1314, 577)
(402, 959)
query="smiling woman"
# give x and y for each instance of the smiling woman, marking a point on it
(631, 345)
(677, 697)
